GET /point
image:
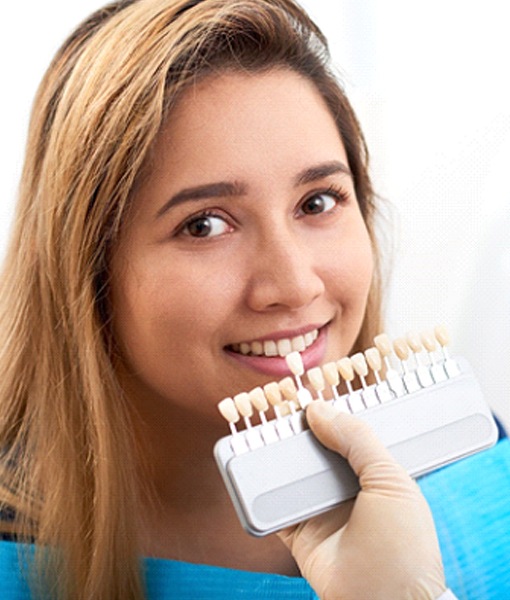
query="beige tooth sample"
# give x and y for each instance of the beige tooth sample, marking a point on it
(401, 348)
(295, 363)
(258, 400)
(316, 379)
(360, 364)
(442, 335)
(383, 344)
(288, 388)
(331, 375)
(243, 404)
(413, 339)
(273, 393)
(373, 358)
(346, 370)
(274, 396)
(429, 341)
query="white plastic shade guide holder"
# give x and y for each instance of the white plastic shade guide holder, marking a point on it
(278, 474)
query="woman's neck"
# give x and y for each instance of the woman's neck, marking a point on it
(188, 515)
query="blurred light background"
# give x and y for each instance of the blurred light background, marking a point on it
(430, 83)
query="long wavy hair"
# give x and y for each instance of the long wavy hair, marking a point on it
(69, 480)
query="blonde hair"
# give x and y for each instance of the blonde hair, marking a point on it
(68, 471)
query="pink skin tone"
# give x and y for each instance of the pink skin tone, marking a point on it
(245, 227)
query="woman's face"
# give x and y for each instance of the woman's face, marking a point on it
(245, 241)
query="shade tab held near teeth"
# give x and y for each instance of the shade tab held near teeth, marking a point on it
(295, 363)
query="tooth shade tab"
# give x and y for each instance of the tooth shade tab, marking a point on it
(442, 335)
(288, 388)
(429, 341)
(243, 404)
(373, 359)
(258, 399)
(331, 374)
(228, 410)
(345, 368)
(295, 363)
(383, 344)
(401, 348)
(316, 378)
(273, 393)
(360, 364)
(413, 340)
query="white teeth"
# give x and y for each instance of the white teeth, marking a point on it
(270, 348)
(257, 348)
(277, 347)
(284, 347)
(298, 344)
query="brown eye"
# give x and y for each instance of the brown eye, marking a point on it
(204, 226)
(318, 203)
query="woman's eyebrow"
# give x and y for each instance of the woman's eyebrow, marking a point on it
(199, 192)
(223, 189)
(321, 171)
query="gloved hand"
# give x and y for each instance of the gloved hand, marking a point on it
(380, 546)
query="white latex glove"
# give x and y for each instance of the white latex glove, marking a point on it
(380, 546)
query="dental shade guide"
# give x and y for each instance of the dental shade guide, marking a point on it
(425, 405)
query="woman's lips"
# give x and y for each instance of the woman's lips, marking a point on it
(276, 366)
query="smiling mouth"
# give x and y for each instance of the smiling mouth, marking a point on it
(272, 348)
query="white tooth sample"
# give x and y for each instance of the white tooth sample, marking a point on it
(331, 374)
(257, 348)
(298, 343)
(243, 404)
(284, 347)
(383, 344)
(270, 348)
(309, 339)
(401, 348)
(360, 364)
(316, 378)
(258, 399)
(273, 393)
(244, 348)
(373, 359)
(288, 388)
(295, 363)
(228, 410)
(442, 335)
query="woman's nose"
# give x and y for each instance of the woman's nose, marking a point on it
(284, 274)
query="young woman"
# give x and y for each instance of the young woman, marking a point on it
(195, 198)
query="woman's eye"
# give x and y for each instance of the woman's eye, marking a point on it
(204, 226)
(319, 203)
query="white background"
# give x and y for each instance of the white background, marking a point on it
(430, 83)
